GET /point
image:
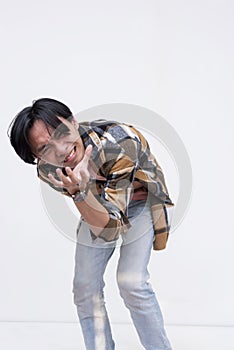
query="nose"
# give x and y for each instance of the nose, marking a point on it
(60, 150)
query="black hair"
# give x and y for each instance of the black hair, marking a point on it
(45, 109)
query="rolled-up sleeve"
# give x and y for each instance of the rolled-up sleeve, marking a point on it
(115, 197)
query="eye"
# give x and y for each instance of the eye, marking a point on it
(57, 134)
(45, 149)
(61, 131)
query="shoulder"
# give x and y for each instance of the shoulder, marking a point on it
(121, 132)
(111, 129)
(115, 138)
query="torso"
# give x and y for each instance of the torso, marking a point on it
(140, 192)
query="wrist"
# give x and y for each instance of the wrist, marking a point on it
(72, 193)
(80, 195)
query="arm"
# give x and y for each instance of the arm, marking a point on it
(93, 212)
(105, 213)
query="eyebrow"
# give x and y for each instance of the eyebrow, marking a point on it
(39, 149)
(61, 128)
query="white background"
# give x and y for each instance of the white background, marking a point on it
(173, 57)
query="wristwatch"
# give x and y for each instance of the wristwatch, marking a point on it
(79, 196)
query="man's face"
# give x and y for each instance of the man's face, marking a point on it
(61, 146)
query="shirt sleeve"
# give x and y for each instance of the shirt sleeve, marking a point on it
(119, 168)
(115, 197)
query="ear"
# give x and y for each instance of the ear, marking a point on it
(74, 121)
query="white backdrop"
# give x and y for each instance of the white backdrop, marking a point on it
(173, 57)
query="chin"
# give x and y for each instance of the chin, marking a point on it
(72, 164)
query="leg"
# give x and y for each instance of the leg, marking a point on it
(132, 276)
(88, 284)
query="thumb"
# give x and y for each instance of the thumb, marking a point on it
(88, 152)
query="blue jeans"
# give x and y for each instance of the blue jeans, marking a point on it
(91, 259)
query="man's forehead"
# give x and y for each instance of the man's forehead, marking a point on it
(40, 126)
(39, 133)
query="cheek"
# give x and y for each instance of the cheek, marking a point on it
(49, 158)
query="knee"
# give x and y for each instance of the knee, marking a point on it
(80, 291)
(134, 289)
(85, 292)
(129, 284)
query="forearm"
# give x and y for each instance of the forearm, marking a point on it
(93, 213)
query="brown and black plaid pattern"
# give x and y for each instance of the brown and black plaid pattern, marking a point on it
(121, 155)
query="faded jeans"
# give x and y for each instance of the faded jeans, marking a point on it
(91, 259)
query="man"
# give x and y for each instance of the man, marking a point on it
(118, 187)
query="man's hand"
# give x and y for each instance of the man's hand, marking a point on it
(76, 179)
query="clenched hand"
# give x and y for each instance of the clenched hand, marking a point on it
(76, 179)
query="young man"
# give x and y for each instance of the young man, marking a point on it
(118, 187)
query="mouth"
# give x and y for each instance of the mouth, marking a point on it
(70, 156)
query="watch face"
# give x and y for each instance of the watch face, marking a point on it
(79, 196)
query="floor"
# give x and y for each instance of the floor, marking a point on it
(67, 336)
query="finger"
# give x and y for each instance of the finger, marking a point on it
(54, 181)
(72, 176)
(84, 175)
(84, 179)
(65, 179)
(87, 154)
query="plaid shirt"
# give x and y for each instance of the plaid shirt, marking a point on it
(121, 155)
